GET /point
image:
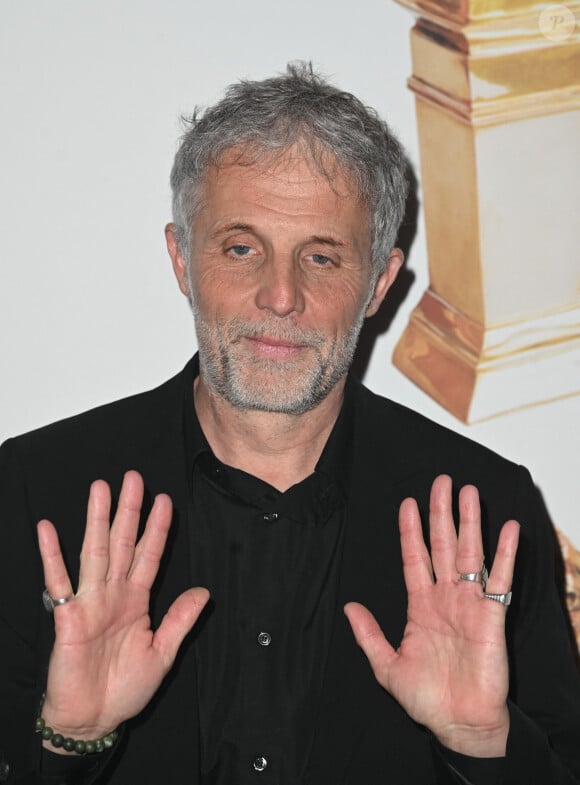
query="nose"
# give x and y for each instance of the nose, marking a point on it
(279, 287)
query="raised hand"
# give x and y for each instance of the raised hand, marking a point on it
(107, 662)
(450, 671)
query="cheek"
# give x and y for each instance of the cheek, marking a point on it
(338, 305)
(216, 293)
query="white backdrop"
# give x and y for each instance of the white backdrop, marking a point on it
(90, 94)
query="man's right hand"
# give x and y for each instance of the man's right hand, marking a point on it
(107, 662)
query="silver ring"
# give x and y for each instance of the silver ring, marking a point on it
(475, 577)
(50, 603)
(505, 599)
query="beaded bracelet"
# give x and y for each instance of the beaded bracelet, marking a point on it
(80, 746)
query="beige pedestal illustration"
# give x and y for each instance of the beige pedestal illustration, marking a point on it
(498, 110)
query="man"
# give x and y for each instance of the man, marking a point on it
(271, 480)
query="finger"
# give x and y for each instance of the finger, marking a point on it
(56, 577)
(416, 560)
(123, 532)
(177, 622)
(442, 534)
(371, 639)
(502, 571)
(149, 551)
(469, 543)
(95, 549)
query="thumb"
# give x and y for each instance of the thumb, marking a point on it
(371, 639)
(177, 622)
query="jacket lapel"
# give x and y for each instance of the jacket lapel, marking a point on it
(371, 573)
(173, 712)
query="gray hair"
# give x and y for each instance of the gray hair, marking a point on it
(298, 107)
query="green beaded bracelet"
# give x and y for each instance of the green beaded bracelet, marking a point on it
(80, 746)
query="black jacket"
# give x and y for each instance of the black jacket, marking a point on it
(362, 735)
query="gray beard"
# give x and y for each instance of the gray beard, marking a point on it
(259, 384)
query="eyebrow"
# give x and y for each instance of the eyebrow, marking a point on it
(323, 240)
(241, 227)
(233, 227)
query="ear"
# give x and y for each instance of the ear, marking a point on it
(385, 280)
(177, 259)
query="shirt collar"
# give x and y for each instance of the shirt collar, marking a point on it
(334, 462)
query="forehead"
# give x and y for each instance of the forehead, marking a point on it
(301, 156)
(291, 181)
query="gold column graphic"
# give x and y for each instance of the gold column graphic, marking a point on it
(572, 582)
(497, 88)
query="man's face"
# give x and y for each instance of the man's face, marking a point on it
(279, 281)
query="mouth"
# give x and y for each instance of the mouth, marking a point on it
(274, 348)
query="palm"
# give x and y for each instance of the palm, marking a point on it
(450, 671)
(450, 652)
(107, 662)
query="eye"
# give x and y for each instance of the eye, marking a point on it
(320, 259)
(240, 249)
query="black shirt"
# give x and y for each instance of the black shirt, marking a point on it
(271, 561)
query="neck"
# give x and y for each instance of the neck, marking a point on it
(280, 449)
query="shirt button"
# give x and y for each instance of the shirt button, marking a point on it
(260, 763)
(270, 516)
(264, 639)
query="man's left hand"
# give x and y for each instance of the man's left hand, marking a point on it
(450, 671)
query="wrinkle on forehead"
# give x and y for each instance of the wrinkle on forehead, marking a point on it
(284, 163)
